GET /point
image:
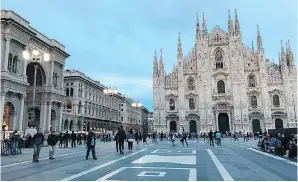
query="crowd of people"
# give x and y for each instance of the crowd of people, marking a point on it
(280, 144)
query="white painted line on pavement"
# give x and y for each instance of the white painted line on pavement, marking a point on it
(154, 151)
(221, 169)
(192, 172)
(24, 162)
(274, 157)
(100, 166)
(202, 142)
(194, 151)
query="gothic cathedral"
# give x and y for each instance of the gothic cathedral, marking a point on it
(222, 84)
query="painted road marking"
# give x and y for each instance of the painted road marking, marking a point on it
(274, 157)
(192, 172)
(100, 166)
(154, 151)
(221, 169)
(24, 162)
(152, 174)
(166, 159)
(194, 151)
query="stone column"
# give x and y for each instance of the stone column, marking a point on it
(230, 123)
(216, 120)
(2, 105)
(60, 119)
(49, 119)
(7, 47)
(21, 116)
(51, 73)
(62, 77)
(43, 116)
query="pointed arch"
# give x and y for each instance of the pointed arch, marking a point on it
(221, 87)
(191, 83)
(252, 80)
(218, 55)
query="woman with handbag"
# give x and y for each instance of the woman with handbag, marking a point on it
(130, 137)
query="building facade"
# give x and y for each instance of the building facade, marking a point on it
(130, 116)
(150, 122)
(222, 84)
(36, 91)
(87, 106)
(144, 120)
(32, 83)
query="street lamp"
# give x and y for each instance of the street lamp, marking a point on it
(36, 57)
(110, 92)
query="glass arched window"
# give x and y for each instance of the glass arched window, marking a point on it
(221, 87)
(276, 100)
(191, 104)
(9, 65)
(191, 83)
(172, 104)
(252, 81)
(69, 105)
(67, 91)
(253, 101)
(71, 91)
(14, 64)
(218, 59)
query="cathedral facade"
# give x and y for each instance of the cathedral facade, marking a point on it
(222, 84)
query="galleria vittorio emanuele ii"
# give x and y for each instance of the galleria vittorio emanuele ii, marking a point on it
(223, 84)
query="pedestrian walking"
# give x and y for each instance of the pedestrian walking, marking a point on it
(38, 140)
(183, 138)
(91, 144)
(60, 140)
(73, 139)
(211, 138)
(121, 137)
(52, 141)
(218, 138)
(130, 137)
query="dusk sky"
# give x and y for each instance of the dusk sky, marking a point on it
(114, 41)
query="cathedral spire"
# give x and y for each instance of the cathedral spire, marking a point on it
(155, 65)
(290, 57)
(161, 67)
(230, 25)
(283, 56)
(198, 30)
(259, 39)
(179, 51)
(237, 24)
(204, 28)
(252, 47)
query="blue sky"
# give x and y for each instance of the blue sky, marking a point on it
(114, 41)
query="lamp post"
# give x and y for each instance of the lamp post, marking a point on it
(138, 105)
(110, 92)
(35, 57)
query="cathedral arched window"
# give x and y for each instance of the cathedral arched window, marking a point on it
(191, 83)
(218, 59)
(276, 100)
(191, 104)
(253, 101)
(172, 104)
(221, 86)
(252, 81)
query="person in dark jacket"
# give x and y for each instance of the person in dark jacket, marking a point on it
(38, 140)
(65, 139)
(120, 137)
(73, 139)
(211, 138)
(52, 141)
(91, 144)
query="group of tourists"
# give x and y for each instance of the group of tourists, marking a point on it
(122, 136)
(280, 144)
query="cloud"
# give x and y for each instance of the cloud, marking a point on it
(138, 88)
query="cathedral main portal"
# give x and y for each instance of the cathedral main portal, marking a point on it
(223, 122)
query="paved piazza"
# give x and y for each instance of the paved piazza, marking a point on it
(237, 161)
